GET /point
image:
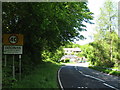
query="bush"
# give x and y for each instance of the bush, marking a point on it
(67, 60)
(117, 73)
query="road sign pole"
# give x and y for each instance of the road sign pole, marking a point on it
(5, 60)
(13, 67)
(19, 67)
(13, 44)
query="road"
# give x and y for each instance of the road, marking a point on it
(78, 76)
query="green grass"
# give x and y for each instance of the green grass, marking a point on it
(44, 76)
(116, 67)
(111, 72)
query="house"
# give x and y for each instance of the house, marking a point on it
(72, 58)
(70, 51)
(81, 59)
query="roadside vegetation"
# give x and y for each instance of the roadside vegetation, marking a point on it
(108, 71)
(46, 27)
(47, 30)
(43, 76)
(104, 51)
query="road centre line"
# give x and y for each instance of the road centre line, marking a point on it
(82, 73)
(76, 67)
(95, 78)
(82, 87)
(99, 80)
(91, 76)
(60, 83)
(110, 86)
(59, 77)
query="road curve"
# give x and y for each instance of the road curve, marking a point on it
(71, 77)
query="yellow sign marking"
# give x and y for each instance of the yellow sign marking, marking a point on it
(12, 39)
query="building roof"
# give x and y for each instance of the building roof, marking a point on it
(73, 49)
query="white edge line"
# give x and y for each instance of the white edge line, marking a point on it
(91, 76)
(75, 67)
(99, 80)
(96, 78)
(110, 86)
(84, 75)
(59, 78)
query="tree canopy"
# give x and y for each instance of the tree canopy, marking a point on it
(105, 47)
(45, 25)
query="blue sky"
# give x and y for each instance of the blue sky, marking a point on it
(94, 6)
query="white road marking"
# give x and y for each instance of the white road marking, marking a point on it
(98, 79)
(82, 73)
(81, 87)
(76, 67)
(110, 86)
(95, 78)
(59, 77)
(86, 76)
(91, 76)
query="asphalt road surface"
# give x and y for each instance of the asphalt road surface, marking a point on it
(78, 76)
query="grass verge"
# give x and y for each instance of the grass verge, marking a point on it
(44, 76)
(111, 72)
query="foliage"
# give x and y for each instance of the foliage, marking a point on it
(111, 72)
(98, 52)
(52, 56)
(39, 78)
(105, 46)
(71, 45)
(46, 26)
(67, 60)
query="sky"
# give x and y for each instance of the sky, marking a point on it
(94, 6)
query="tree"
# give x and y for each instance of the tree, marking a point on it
(45, 27)
(106, 24)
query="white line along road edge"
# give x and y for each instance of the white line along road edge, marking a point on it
(94, 78)
(59, 77)
(97, 79)
(110, 86)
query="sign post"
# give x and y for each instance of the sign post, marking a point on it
(19, 67)
(13, 67)
(5, 60)
(13, 44)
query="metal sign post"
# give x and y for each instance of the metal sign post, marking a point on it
(19, 67)
(13, 44)
(5, 60)
(13, 67)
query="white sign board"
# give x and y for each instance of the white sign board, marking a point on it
(11, 49)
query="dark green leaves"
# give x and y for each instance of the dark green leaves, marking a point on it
(45, 25)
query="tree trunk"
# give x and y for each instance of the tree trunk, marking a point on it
(111, 51)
